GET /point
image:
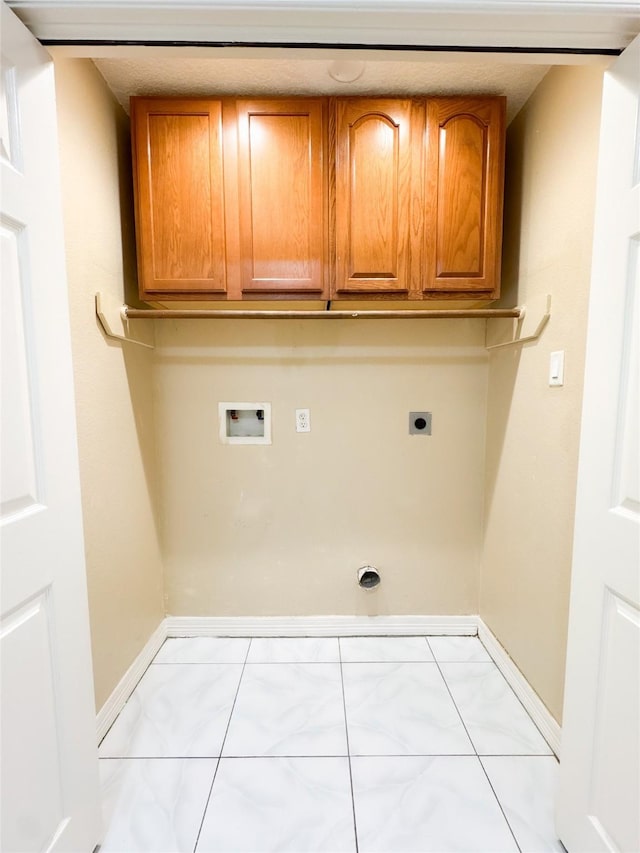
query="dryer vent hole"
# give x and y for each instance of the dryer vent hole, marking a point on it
(368, 577)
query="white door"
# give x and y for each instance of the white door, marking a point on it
(48, 737)
(599, 802)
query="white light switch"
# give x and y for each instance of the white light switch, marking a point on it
(556, 368)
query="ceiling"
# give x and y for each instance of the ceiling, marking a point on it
(214, 74)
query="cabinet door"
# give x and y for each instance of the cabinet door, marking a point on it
(464, 190)
(374, 188)
(282, 211)
(179, 192)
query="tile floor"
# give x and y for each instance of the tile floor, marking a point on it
(323, 744)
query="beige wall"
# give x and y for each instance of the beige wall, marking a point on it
(282, 529)
(532, 429)
(113, 383)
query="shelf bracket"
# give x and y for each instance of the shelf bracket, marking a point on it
(534, 316)
(113, 318)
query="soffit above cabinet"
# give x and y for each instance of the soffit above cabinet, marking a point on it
(271, 77)
(544, 24)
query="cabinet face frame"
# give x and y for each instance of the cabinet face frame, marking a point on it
(377, 209)
(171, 191)
(464, 196)
(282, 196)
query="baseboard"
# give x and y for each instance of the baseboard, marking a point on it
(318, 626)
(125, 687)
(537, 710)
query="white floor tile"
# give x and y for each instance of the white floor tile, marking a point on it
(153, 805)
(288, 709)
(496, 721)
(392, 649)
(279, 804)
(416, 805)
(458, 649)
(203, 650)
(284, 783)
(175, 711)
(294, 650)
(401, 709)
(526, 787)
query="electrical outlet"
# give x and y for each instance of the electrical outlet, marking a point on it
(303, 420)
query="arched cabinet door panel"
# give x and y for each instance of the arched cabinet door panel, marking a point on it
(375, 178)
(463, 194)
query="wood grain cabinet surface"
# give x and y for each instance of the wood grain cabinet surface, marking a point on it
(376, 144)
(463, 194)
(317, 198)
(179, 191)
(282, 201)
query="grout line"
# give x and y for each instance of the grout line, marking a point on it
(326, 755)
(466, 662)
(346, 729)
(484, 770)
(197, 663)
(464, 726)
(475, 750)
(355, 662)
(296, 662)
(291, 662)
(226, 732)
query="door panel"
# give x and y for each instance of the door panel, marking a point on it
(626, 481)
(374, 195)
(600, 768)
(179, 189)
(282, 196)
(49, 769)
(19, 490)
(464, 194)
(30, 729)
(615, 758)
(461, 192)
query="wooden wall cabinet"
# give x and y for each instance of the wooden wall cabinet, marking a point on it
(179, 191)
(377, 154)
(463, 195)
(231, 198)
(282, 196)
(318, 198)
